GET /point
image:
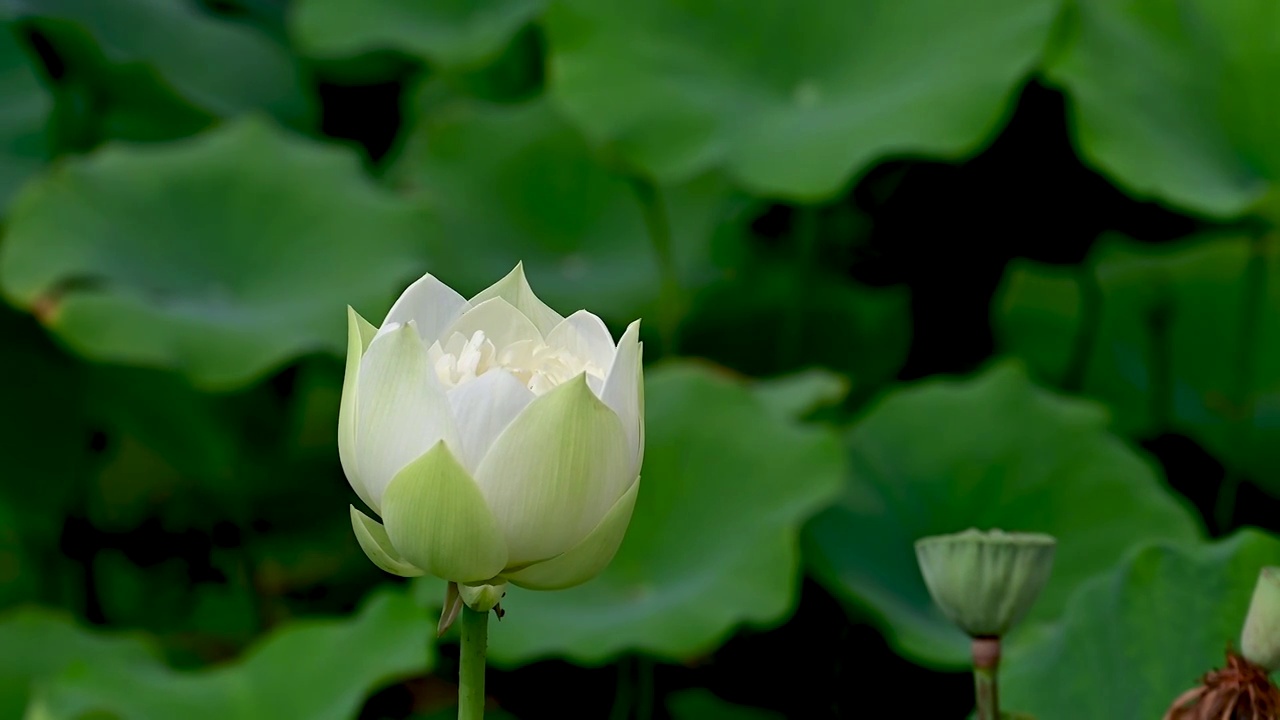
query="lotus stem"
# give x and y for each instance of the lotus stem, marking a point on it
(986, 667)
(475, 638)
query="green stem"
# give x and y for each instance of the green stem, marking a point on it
(988, 694)
(805, 237)
(986, 667)
(475, 637)
(644, 699)
(1086, 336)
(622, 694)
(1160, 354)
(671, 300)
(1242, 398)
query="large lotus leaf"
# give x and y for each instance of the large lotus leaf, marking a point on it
(799, 394)
(1134, 639)
(39, 645)
(993, 451)
(46, 443)
(224, 67)
(516, 183)
(165, 599)
(1176, 100)
(46, 446)
(222, 461)
(714, 540)
(775, 314)
(793, 98)
(142, 403)
(1178, 337)
(24, 115)
(315, 669)
(220, 257)
(447, 32)
(99, 99)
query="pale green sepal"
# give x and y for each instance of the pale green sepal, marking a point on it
(451, 609)
(985, 581)
(359, 334)
(375, 543)
(482, 598)
(555, 471)
(586, 559)
(1260, 643)
(437, 519)
(515, 289)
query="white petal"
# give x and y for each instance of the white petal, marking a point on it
(359, 334)
(514, 288)
(553, 474)
(429, 303)
(585, 336)
(402, 409)
(482, 409)
(586, 559)
(501, 323)
(624, 390)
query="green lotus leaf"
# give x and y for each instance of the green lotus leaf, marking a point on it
(773, 314)
(993, 452)
(24, 138)
(713, 542)
(1163, 336)
(101, 99)
(1175, 101)
(317, 669)
(221, 257)
(516, 183)
(793, 99)
(223, 67)
(801, 393)
(1135, 638)
(445, 32)
(41, 644)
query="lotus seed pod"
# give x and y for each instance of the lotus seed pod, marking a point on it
(1260, 643)
(985, 582)
(482, 598)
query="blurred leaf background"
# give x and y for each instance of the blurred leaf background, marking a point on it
(905, 268)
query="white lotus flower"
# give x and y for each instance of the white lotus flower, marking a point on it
(498, 441)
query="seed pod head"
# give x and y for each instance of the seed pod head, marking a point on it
(1260, 642)
(985, 581)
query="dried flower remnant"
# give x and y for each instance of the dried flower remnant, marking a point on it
(1240, 691)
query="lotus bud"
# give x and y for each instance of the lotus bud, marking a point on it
(1260, 643)
(498, 441)
(985, 582)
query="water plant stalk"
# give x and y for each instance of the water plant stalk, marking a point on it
(986, 666)
(475, 638)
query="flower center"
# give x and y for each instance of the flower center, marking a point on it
(538, 365)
